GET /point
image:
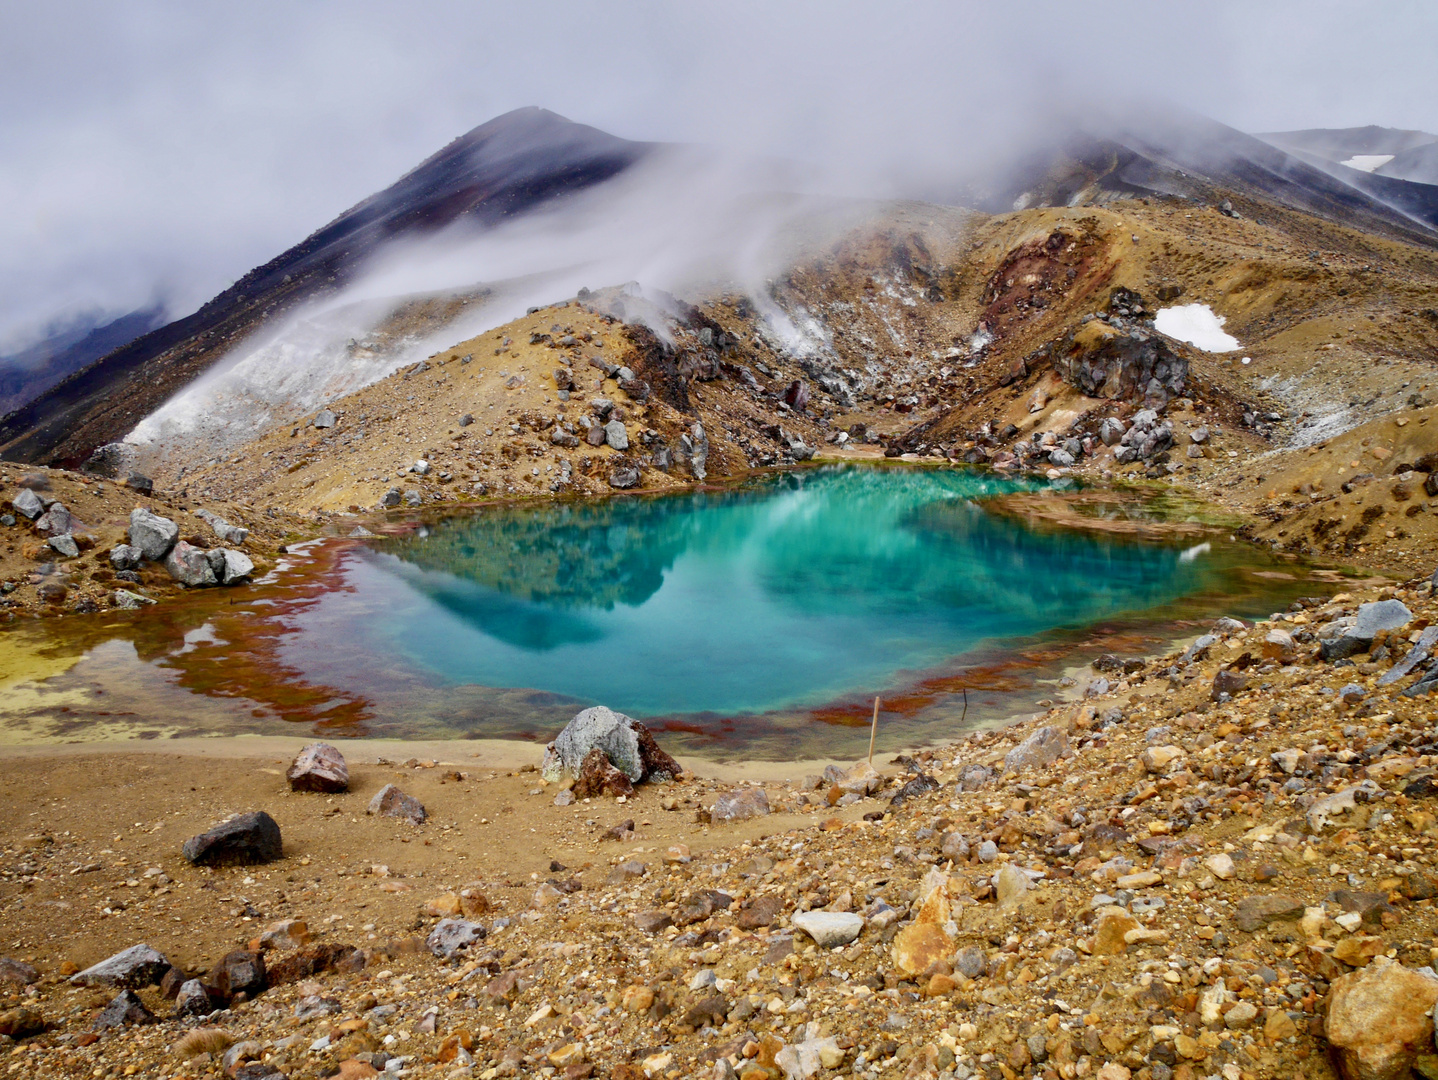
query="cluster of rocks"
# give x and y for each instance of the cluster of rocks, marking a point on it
(156, 539)
(1185, 876)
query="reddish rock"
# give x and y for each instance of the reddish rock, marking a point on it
(313, 959)
(598, 777)
(319, 767)
(239, 972)
(390, 801)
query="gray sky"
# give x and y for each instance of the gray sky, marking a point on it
(152, 149)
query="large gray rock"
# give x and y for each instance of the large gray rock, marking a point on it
(28, 504)
(694, 451)
(595, 728)
(615, 435)
(153, 535)
(126, 600)
(194, 1000)
(1378, 616)
(230, 566)
(390, 801)
(626, 742)
(324, 419)
(1147, 437)
(319, 767)
(1348, 637)
(139, 965)
(190, 566)
(1111, 430)
(453, 936)
(1038, 751)
(238, 841)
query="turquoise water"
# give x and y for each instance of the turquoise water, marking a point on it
(787, 593)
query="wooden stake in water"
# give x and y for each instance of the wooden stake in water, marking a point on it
(873, 730)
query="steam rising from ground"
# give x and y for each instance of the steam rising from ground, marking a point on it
(680, 223)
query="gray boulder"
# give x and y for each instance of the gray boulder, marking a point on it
(626, 742)
(324, 419)
(230, 566)
(151, 534)
(615, 435)
(1348, 637)
(390, 498)
(126, 600)
(623, 476)
(1121, 365)
(125, 557)
(193, 999)
(694, 451)
(139, 965)
(190, 566)
(1061, 458)
(65, 545)
(1380, 615)
(28, 504)
(454, 936)
(390, 801)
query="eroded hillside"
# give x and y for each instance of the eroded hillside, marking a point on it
(937, 333)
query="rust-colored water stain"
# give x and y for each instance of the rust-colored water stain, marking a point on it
(240, 656)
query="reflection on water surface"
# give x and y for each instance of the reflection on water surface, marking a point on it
(732, 619)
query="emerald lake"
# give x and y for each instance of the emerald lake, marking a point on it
(758, 619)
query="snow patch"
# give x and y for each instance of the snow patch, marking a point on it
(1367, 162)
(1197, 325)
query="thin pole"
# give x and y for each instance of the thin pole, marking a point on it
(873, 730)
(966, 707)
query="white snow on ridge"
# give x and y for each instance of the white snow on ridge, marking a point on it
(1197, 325)
(1367, 162)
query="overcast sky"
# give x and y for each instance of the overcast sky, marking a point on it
(160, 150)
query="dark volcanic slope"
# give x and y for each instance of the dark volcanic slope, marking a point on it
(1186, 155)
(502, 168)
(27, 374)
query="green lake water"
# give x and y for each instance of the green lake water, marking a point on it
(758, 620)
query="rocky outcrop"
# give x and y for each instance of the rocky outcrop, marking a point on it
(1121, 364)
(624, 741)
(1146, 438)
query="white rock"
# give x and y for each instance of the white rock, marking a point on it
(830, 928)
